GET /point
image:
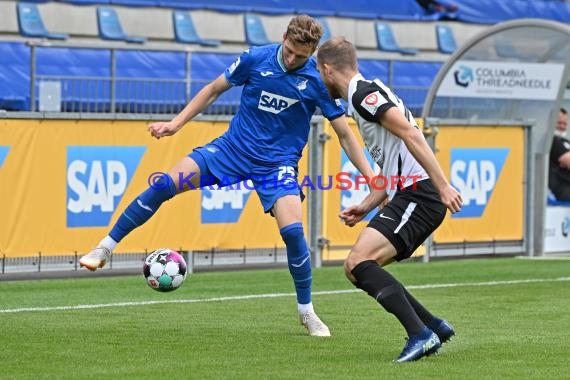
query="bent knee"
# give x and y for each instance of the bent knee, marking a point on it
(381, 256)
(353, 259)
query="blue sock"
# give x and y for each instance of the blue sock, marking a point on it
(299, 260)
(142, 209)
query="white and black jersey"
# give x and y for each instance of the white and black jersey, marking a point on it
(413, 212)
(367, 101)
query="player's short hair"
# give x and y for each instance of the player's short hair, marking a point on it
(339, 53)
(563, 111)
(304, 29)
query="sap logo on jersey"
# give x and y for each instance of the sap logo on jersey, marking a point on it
(3, 153)
(355, 195)
(225, 204)
(97, 177)
(274, 103)
(474, 172)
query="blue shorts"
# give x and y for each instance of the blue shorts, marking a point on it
(222, 164)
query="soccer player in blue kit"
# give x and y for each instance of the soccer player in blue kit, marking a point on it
(265, 139)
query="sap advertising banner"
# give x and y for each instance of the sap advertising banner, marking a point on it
(97, 177)
(64, 183)
(475, 172)
(502, 80)
(486, 165)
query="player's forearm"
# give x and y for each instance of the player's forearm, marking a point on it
(357, 157)
(421, 151)
(374, 198)
(203, 99)
(353, 149)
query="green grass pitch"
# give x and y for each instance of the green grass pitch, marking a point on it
(512, 318)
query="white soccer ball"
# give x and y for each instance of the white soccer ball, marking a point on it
(165, 270)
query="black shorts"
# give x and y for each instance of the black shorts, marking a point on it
(410, 217)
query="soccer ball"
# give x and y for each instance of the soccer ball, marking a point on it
(165, 270)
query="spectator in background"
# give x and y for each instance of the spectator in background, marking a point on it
(438, 6)
(559, 170)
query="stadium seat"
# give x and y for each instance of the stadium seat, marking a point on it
(254, 30)
(30, 23)
(387, 42)
(506, 50)
(445, 40)
(185, 32)
(326, 30)
(15, 68)
(110, 27)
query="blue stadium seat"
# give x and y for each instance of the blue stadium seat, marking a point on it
(326, 30)
(14, 76)
(445, 40)
(110, 27)
(505, 49)
(31, 25)
(83, 74)
(387, 42)
(375, 68)
(207, 67)
(150, 81)
(254, 30)
(185, 32)
(411, 80)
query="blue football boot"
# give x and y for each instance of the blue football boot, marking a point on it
(418, 346)
(444, 330)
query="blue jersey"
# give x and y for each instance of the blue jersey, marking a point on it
(273, 121)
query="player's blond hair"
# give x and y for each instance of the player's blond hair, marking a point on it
(304, 29)
(339, 53)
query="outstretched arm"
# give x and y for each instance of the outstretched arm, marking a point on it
(203, 99)
(397, 124)
(351, 146)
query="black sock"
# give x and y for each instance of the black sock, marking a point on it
(427, 318)
(385, 289)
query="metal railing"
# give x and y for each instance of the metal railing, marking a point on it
(197, 260)
(116, 94)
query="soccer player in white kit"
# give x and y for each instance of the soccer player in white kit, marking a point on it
(417, 202)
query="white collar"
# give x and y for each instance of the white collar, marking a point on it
(352, 90)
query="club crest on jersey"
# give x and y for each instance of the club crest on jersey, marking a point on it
(274, 103)
(377, 155)
(372, 101)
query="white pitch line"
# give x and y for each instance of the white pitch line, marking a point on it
(270, 295)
